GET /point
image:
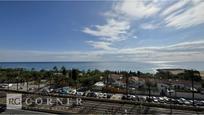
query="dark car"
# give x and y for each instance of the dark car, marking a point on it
(2, 108)
(109, 95)
(124, 97)
(91, 94)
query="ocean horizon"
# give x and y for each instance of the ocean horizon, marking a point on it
(106, 65)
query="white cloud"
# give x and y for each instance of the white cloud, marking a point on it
(44, 56)
(184, 51)
(107, 53)
(118, 21)
(190, 17)
(188, 45)
(112, 31)
(119, 26)
(136, 9)
(177, 6)
(149, 26)
(100, 45)
(178, 14)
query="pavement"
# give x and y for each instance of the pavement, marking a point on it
(23, 86)
(13, 112)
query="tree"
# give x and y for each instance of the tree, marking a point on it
(40, 76)
(27, 77)
(17, 82)
(138, 73)
(75, 76)
(55, 69)
(63, 70)
(126, 75)
(149, 85)
(48, 76)
(189, 74)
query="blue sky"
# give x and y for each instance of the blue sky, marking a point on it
(120, 30)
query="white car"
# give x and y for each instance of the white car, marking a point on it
(10, 85)
(186, 102)
(155, 99)
(100, 95)
(166, 99)
(51, 90)
(97, 94)
(72, 92)
(79, 93)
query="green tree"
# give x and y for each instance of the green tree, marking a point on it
(63, 70)
(149, 84)
(27, 77)
(55, 69)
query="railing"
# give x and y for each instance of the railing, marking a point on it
(178, 107)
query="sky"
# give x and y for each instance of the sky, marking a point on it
(119, 30)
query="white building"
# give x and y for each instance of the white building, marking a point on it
(98, 86)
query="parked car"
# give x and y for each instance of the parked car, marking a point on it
(142, 98)
(104, 95)
(199, 103)
(79, 93)
(181, 101)
(91, 94)
(186, 102)
(124, 97)
(166, 99)
(72, 92)
(161, 99)
(86, 93)
(100, 95)
(109, 95)
(155, 99)
(129, 97)
(134, 98)
(2, 108)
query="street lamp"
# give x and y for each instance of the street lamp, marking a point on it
(193, 90)
(170, 91)
(17, 82)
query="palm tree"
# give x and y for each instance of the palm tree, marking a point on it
(127, 82)
(26, 77)
(191, 74)
(10, 77)
(55, 69)
(149, 85)
(63, 70)
(8, 82)
(75, 76)
(39, 77)
(50, 78)
(17, 79)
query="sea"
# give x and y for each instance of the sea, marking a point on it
(150, 67)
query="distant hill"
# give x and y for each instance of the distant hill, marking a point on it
(202, 74)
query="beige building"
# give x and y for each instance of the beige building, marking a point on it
(202, 75)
